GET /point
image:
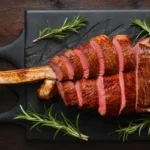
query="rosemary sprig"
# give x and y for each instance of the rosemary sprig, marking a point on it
(144, 26)
(61, 32)
(48, 120)
(134, 126)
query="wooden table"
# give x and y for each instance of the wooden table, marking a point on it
(12, 137)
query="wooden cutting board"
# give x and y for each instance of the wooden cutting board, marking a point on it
(109, 22)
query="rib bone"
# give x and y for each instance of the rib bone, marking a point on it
(47, 90)
(27, 75)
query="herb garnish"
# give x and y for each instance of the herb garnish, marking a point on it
(49, 121)
(134, 126)
(144, 26)
(61, 32)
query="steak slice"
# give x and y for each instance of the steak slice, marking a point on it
(84, 62)
(91, 58)
(127, 63)
(68, 92)
(108, 57)
(109, 94)
(87, 93)
(126, 55)
(142, 50)
(59, 67)
(128, 92)
(75, 64)
(68, 66)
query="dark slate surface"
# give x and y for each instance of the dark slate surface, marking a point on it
(36, 54)
(12, 55)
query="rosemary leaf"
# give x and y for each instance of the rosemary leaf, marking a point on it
(48, 120)
(134, 126)
(143, 25)
(60, 32)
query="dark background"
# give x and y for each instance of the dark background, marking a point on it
(12, 137)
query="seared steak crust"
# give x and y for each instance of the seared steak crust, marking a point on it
(59, 68)
(75, 61)
(68, 92)
(89, 93)
(110, 56)
(143, 76)
(130, 92)
(92, 59)
(112, 95)
(128, 54)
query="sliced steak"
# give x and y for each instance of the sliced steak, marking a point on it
(59, 67)
(126, 55)
(142, 50)
(108, 57)
(101, 96)
(91, 58)
(74, 65)
(68, 66)
(128, 92)
(127, 62)
(87, 93)
(109, 94)
(68, 92)
(84, 62)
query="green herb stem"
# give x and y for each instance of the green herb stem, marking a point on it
(134, 126)
(61, 32)
(48, 120)
(143, 25)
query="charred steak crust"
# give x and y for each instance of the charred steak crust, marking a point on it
(143, 76)
(89, 93)
(92, 59)
(130, 90)
(112, 95)
(75, 61)
(59, 68)
(111, 63)
(68, 93)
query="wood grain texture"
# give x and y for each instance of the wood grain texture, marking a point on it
(12, 11)
(12, 137)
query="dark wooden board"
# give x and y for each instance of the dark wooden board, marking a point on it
(12, 11)
(109, 22)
